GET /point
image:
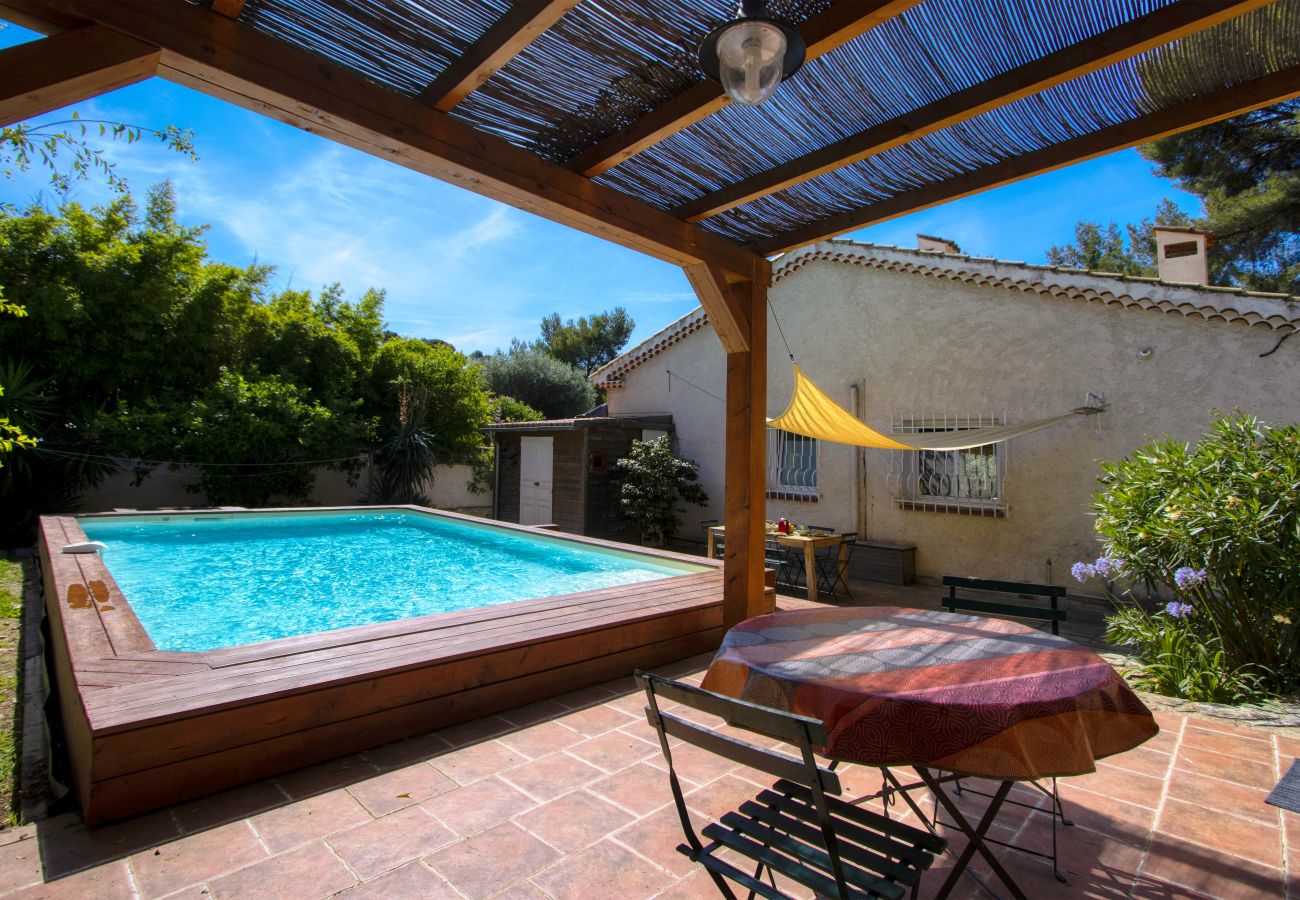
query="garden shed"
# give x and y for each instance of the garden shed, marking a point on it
(559, 472)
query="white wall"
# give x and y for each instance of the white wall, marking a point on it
(918, 344)
(448, 490)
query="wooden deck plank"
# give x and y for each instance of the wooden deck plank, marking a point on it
(140, 791)
(236, 684)
(268, 716)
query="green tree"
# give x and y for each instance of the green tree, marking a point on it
(652, 485)
(1131, 251)
(557, 389)
(588, 342)
(434, 386)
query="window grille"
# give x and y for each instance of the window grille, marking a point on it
(961, 481)
(791, 465)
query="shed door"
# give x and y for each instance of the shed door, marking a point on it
(536, 455)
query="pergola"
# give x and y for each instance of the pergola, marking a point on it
(595, 114)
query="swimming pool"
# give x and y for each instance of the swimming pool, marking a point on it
(147, 726)
(203, 582)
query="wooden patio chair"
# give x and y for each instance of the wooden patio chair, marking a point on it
(792, 829)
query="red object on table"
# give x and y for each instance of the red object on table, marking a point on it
(895, 687)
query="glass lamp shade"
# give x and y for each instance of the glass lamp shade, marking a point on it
(751, 60)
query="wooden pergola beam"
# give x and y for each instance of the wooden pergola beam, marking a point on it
(217, 56)
(1121, 42)
(823, 33)
(1222, 104)
(526, 21)
(727, 316)
(228, 8)
(51, 73)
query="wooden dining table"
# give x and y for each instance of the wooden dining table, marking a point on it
(808, 543)
(939, 692)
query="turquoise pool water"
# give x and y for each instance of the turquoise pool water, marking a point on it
(202, 582)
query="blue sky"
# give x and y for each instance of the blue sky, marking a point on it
(472, 271)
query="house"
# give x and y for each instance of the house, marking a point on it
(932, 340)
(560, 471)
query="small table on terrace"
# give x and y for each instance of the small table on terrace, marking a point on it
(809, 543)
(935, 690)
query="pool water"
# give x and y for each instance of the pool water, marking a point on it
(202, 582)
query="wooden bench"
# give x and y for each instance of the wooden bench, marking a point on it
(1051, 613)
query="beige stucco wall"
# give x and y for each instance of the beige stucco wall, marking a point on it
(163, 488)
(925, 345)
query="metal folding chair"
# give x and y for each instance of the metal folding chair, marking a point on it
(792, 829)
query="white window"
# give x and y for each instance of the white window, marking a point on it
(791, 465)
(961, 481)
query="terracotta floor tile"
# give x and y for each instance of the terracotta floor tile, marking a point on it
(1287, 749)
(412, 880)
(229, 806)
(540, 739)
(541, 711)
(1121, 784)
(614, 750)
(194, 858)
(641, 788)
(695, 886)
(399, 754)
(552, 776)
(474, 761)
(693, 763)
(481, 865)
(68, 846)
(310, 819)
(1148, 888)
(1209, 871)
(1143, 761)
(1226, 767)
(326, 776)
(596, 720)
(1215, 828)
(574, 821)
(400, 788)
(479, 805)
(585, 697)
(475, 731)
(20, 864)
(520, 890)
(1227, 796)
(307, 873)
(602, 870)
(1169, 721)
(1204, 723)
(1121, 821)
(387, 842)
(107, 881)
(721, 796)
(1242, 746)
(656, 837)
(1165, 742)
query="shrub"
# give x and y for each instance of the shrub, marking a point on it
(1216, 525)
(557, 390)
(651, 483)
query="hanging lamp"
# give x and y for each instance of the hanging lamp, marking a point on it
(752, 54)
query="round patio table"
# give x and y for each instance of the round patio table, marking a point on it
(910, 687)
(937, 691)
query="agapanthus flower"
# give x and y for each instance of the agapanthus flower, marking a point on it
(1108, 567)
(1178, 610)
(1082, 571)
(1187, 578)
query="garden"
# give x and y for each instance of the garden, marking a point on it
(1201, 559)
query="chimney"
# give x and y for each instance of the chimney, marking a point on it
(936, 244)
(1181, 254)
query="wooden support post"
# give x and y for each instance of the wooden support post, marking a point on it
(744, 592)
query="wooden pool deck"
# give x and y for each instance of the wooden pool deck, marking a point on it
(147, 727)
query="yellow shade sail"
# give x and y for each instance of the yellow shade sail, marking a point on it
(813, 414)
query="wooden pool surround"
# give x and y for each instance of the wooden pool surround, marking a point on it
(147, 727)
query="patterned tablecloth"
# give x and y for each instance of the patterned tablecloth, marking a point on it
(972, 695)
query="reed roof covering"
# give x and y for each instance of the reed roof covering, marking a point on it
(604, 65)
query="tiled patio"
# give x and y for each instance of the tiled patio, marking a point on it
(568, 799)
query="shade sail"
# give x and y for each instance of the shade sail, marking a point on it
(813, 414)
